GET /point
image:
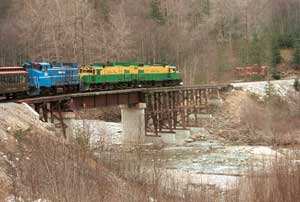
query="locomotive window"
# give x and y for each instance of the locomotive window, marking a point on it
(87, 71)
(37, 66)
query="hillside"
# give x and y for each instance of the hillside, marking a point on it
(4, 7)
(205, 38)
(36, 165)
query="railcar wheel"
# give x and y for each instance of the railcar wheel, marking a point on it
(166, 83)
(45, 91)
(14, 95)
(124, 86)
(7, 96)
(98, 87)
(158, 84)
(109, 86)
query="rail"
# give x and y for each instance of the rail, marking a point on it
(125, 91)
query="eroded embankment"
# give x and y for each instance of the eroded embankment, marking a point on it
(38, 165)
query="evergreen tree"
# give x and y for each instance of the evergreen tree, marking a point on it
(276, 57)
(296, 60)
(155, 12)
(269, 91)
(243, 54)
(206, 7)
(296, 84)
(255, 51)
(104, 8)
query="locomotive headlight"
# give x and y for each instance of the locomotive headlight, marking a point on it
(181, 83)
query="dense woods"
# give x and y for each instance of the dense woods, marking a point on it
(205, 38)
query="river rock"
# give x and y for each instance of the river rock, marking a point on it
(189, 140)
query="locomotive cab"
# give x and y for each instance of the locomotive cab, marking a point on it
(46, 78)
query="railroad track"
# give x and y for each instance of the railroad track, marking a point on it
(38, 99)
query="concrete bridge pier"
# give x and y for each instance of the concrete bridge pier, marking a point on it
(133, 120)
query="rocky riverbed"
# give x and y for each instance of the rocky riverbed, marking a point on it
(203, 161)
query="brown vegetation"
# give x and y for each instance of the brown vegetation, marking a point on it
(60, 171)
(279, 184)
(247, 119)
(274, 121)
(46, 168)
(205, 38)
(41, 166)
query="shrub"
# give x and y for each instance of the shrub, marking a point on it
(296, 84)
(281, 183)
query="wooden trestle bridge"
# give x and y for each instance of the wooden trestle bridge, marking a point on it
(167, 108)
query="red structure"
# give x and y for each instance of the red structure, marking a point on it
(255, 70)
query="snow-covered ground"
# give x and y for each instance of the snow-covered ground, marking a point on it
(281, 87)
(20, 117)
(99, 132)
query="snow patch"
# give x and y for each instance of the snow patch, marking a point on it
(98, 131)
(264, 151)
(281, 87)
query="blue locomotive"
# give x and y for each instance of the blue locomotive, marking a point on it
(47, 78)
(43, 78)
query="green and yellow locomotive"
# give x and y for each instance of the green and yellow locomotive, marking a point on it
(128, 75)
(43, 78)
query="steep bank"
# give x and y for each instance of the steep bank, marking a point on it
(36, 165)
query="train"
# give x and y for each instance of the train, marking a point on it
(45, 78)
(127, 75)
(14, 81)
(252, 71)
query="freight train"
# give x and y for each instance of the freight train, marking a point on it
(43, 78)
(252, 71)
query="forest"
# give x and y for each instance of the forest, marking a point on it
(206, 39)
